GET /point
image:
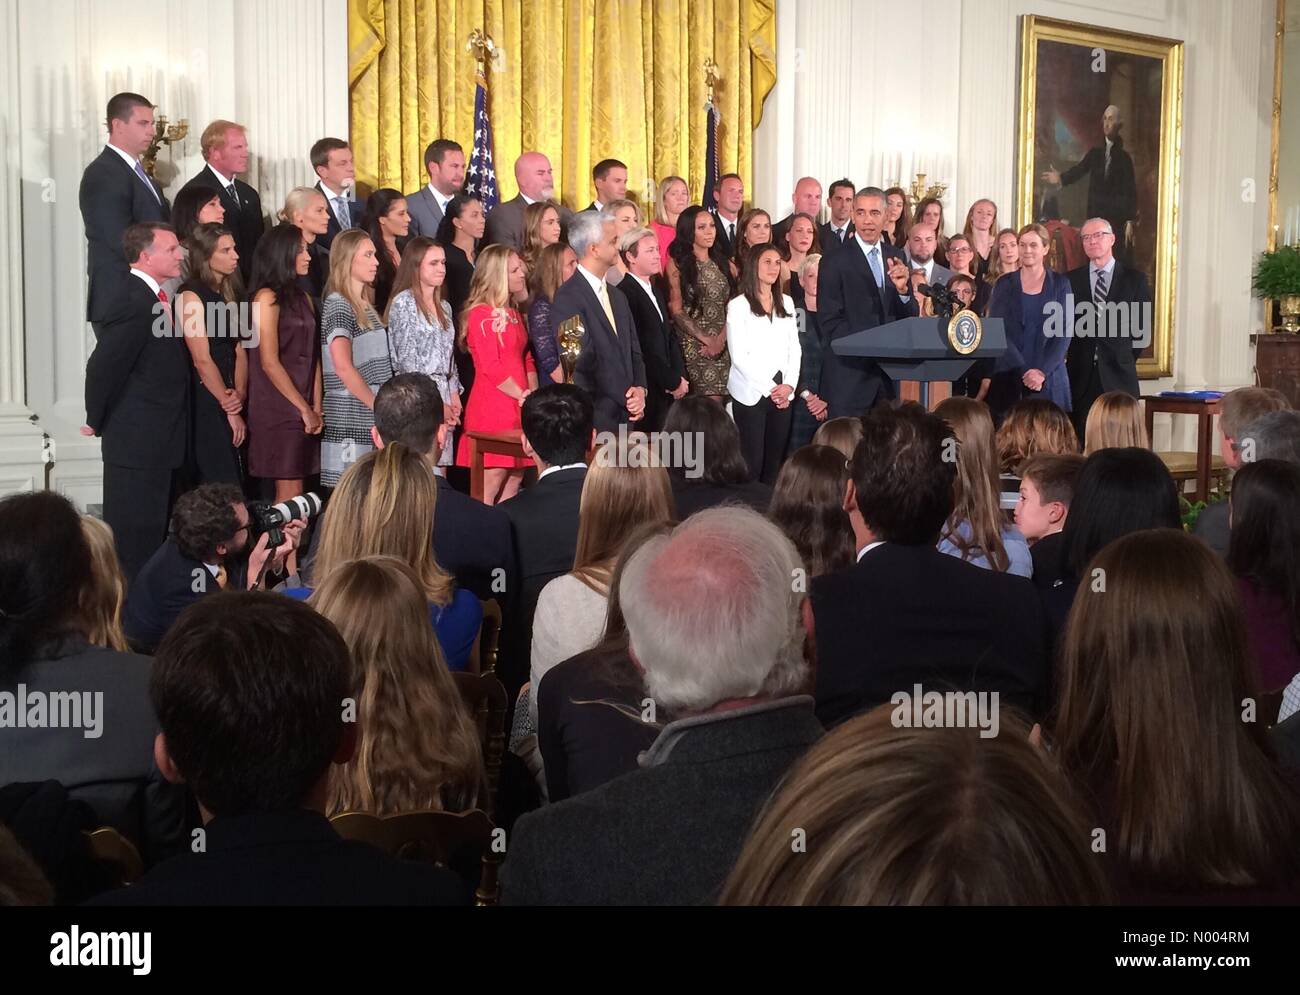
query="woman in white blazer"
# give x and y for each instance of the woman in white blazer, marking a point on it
(763, 339)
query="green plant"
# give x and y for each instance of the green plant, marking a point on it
(1277, 273)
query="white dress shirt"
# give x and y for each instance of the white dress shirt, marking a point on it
(645, 285)
(928, 266)
(868, 548)
(149, 281)
(557, 469)
(596, 283)
(839, 233)
(437, 196)
(760, 347)
(130, 160)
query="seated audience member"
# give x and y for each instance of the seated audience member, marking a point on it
(1154, 671)
(100, 609)
(1032, 426)
(876, 622)
(102, 749)
(1264, 556)
(555, 264)
(384, 506)
(719, 474)
(417, 748)
(890, 819)
(715, 626)
(247, 688)
(207, 551)
(1118, 491)
(557, 432)
(591, 718)
(471, 540)
(975, 531)
(1115, 421)
(842, 434)
(808, 506)
(1238, 409)
(1046, 490)
(625, 488)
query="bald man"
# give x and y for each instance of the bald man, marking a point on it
(1112, 183)
(505, 224)
(807, 199)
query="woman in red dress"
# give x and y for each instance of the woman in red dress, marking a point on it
(504, 372)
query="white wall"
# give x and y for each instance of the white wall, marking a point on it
(277, 66)
(852, 95)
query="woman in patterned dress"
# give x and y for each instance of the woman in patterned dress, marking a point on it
(420, 329)
(699, 287)
(354, 356)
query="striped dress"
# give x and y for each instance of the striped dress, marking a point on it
(346, 437)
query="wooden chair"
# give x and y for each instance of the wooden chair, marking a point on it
(1182, 467)
(431, 837)
(483, 658)
(485, 697)
(118, 855)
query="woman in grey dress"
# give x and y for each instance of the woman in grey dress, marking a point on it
(420, 328)
(354, 356)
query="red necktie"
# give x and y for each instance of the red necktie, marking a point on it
(162, 296)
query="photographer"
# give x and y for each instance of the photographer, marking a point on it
(208, 550)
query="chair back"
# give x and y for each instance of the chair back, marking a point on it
(483, 658)
(485, 697)
(116, 854)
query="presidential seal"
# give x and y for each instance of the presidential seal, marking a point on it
(965, 332)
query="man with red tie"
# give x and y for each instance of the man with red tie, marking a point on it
(137, 396)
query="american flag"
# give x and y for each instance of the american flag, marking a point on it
(481, 175)
(711, 171)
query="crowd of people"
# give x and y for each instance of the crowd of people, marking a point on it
(716, 668)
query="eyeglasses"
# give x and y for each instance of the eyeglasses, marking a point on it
(1096, 235)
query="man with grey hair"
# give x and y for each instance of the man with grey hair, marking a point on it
(1275, 435)
(716, 623)
(609, 367)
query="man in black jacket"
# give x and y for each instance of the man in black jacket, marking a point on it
(225, 148)
(905, 613)
(116, 193)
(665, 367)
(137, 397)
(251, 692)
(836, 232)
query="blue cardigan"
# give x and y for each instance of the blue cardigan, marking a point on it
(1028, 347)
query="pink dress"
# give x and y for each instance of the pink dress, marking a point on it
(498, 344)
(666, 234)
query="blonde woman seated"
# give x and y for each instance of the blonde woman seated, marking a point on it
(1115, 422)
(417, 747)
(100, 603)
(622, 491)
(384, 506)
(976, 531)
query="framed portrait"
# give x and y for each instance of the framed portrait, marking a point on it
(1100, 135)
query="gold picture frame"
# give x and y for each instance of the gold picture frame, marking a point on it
(1052, 53)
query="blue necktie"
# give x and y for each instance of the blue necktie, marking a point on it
(874, 257)
(139, 171)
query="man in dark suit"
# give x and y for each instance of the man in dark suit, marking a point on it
(1120, 323)
(834, 233)
(609, 177)
(665, 367)
(557, 432)
(444, 160)
(471, 540)
(864, 286)
(116, 193)
(251, 692)
(730, 197)
(225, 149)
(905, 613)
(331, 158)
(1112, 182)
(807, 199)
(736, 712)
(505, 223)
(138, 396)
(609, 367)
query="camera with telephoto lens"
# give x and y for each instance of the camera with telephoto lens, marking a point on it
(270, 518)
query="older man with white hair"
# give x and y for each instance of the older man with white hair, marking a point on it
(1112, 181)
(716, 623)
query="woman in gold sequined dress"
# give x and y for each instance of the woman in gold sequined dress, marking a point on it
(699, 287)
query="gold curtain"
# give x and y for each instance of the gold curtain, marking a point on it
(580, 80)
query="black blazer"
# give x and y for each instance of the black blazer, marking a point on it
(245, 219)
(354, 215)
(829, 243)
(661, 350)
(723, 239)
(138, 385)
(165, 586)
(112, 198)
(1116, 357)
(849, 301)
(470, 541)
(1112, 197)
(692, 495)
(287, 858)
(608, 364)
(906, 615)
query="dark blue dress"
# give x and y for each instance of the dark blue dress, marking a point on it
(1038, 337)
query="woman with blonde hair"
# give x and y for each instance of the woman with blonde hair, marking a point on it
(1035, 425)
(354, 358)
(307, 210)
(842, 433)
(385, 506)
(672, 197)
(541, 228)
(504, 371)
(627, 217)
(1115, 420)
(626, 487)
(981, 223)
(975, 531)
(100, 602)
(417, 748)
